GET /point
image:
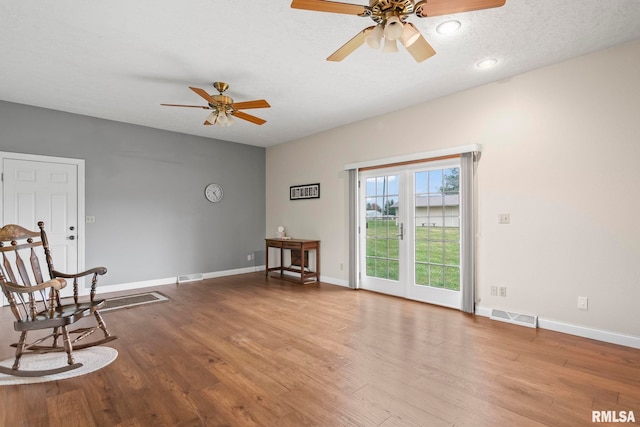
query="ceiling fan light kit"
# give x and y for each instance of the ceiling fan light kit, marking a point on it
(220, 118)
(393, 28)
(374, 37)
(410, 35)
(390, 46)
(390, 17)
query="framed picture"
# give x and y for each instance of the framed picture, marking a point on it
(307, 191)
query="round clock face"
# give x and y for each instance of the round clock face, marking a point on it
(213, 192)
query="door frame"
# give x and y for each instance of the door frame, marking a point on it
(80, 168)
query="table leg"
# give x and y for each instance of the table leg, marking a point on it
(281, 261)
(318, 262)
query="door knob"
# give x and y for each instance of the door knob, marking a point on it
(72, 228)
(72, 237)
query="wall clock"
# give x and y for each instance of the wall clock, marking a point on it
(213, 192)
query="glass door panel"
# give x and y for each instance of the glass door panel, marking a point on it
(436, 236)
(382, 233)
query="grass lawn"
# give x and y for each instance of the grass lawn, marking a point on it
(437, 253)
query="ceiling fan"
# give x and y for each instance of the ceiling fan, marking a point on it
(390, 17)
(223, 108)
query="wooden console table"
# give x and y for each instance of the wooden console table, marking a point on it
(300, 249)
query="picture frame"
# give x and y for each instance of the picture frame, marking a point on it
(306, 191)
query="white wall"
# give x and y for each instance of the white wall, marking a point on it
(561, 147)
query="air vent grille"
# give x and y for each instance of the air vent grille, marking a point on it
(515, 318)
(189, 278)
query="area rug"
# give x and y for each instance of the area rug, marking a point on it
(127, 301)
(92, 359)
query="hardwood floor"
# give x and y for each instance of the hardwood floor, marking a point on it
(246, 351)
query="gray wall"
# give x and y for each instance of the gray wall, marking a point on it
(146, 189)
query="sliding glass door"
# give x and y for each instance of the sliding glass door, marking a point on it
(410, 231)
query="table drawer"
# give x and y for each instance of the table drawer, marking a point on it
(290, 245)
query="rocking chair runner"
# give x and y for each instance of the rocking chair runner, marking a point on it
(36, 302)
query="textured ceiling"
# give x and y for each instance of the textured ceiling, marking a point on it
(120, 59)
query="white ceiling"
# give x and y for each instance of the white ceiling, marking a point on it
(120, 59)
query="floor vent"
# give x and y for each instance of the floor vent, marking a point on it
(515, 318)
(189, 278)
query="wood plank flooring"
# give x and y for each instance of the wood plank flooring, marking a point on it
(247, 351)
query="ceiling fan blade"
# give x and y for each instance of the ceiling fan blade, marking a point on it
(420, 49)
(249, 118)
(207, 123)
(203, 93)
(190, 106)
(348, 48)
(447, 7)
(259, 103)
(329, 6)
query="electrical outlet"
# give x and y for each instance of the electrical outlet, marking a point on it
(250, 257)
(494, 291)
(583, 303)
(502, 291)
(504, 218)
(90, 219)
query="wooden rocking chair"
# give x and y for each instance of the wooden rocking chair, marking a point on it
(36, 303)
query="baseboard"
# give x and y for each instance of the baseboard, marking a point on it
(580, 331)
(595, 334)
(137, 285)
(243, 270)
(333, 281)
(172, 280)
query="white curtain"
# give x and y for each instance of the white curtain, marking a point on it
(468, 239)
(353, 229)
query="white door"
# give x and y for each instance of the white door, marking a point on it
(411, 241)
(435, 234)
(382, 237)
(38, 189)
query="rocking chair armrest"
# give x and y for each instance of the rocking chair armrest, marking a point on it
(95, 270)
(56, 284)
